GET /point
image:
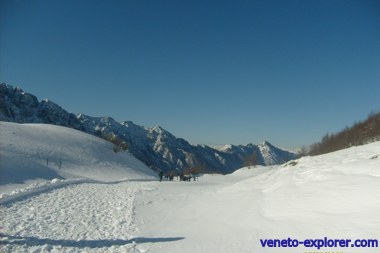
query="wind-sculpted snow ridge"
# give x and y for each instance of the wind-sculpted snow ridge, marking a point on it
(38, 188)
(43, 187)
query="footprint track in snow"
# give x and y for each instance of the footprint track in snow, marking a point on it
(90, 212)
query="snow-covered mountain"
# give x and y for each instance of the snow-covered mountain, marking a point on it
(155, 146)
(267, 154)
(22, 107)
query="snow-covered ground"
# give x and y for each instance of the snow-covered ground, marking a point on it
(335, 195)
(39, 154)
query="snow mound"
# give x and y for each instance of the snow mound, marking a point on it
(33, 153)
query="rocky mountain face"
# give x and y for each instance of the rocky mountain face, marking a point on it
(22, 107)
(155, 146)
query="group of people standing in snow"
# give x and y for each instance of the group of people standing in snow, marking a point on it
(171, 175)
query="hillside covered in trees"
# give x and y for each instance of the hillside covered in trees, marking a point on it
(360, 133)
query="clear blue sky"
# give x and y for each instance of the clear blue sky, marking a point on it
(212, 72)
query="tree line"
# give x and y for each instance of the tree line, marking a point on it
(360, 133)
(118, 143)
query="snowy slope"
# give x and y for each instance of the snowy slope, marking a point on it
(335, 195)
(34, 152)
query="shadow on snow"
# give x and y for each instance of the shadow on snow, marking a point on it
(34, 241)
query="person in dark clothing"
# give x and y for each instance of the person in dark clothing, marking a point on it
(161, 174)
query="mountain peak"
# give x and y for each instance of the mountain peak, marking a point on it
(127, 123)
(224, 148)
(265, 143)
(158, 129)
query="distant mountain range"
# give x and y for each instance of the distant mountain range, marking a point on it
(154, 146)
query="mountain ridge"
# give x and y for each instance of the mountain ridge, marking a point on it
(155, 146)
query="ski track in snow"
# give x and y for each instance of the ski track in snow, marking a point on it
(54, 221)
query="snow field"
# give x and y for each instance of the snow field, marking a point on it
(336, 195)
